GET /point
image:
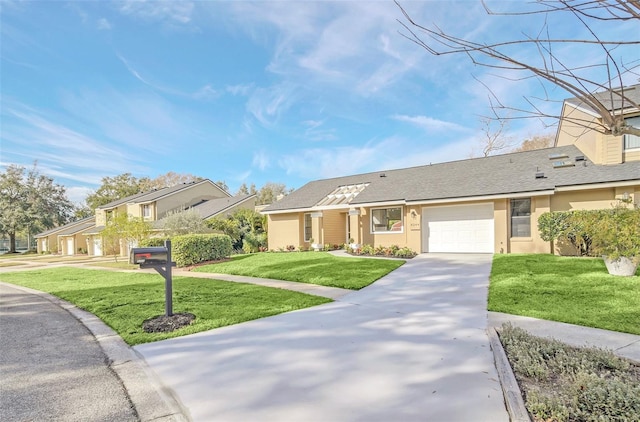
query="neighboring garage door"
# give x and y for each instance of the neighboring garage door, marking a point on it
(458, 228)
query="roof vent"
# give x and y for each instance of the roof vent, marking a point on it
(539, 175)
(579, 157)
(383, 175)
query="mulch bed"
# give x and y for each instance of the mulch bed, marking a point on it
(167, 324)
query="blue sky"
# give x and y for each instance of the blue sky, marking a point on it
(249, 92)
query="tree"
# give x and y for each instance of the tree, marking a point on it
(494, 139)
(114, 188)
(30, 202)
(184, 222)
(169, 179)
(535, 142)
(244, 190)
(124, 228)
(270, 192)
(605, 98)
(222, 184)
(242, 224)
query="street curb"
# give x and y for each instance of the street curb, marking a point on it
(151, 399)
(512, 394)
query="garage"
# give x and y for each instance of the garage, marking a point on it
(458, 228)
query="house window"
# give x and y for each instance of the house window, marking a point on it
(307, 227)
(146, 211)
(386, 220)
(632, 141)
(108, 215)
(521, 217)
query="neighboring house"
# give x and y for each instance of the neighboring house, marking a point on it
(599, 148)
(84, 235)
(483, 205)
(67, 239)
(225, 206)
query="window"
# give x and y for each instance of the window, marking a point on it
(632, 141)
(108, 215)
(386, 220)
(307, 227)
(521, 217)
(146, 211)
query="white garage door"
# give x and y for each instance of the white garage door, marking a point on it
(458, 228)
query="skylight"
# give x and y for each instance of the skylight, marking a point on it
(343, 194)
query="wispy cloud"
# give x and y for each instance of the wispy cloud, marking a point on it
(167, 11)
(314, 131)
(239, 89)
(103, 24)
(268, 104)
(429, 123)
(261, 159)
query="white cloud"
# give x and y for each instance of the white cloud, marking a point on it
(261, 160)
(103, 24)
(429, 123)
(169, 11)
(268, 104)
(239, 89)
(315, 133)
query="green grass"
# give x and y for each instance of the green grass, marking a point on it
(307, 267)
(566, 289)
(125, 300)
(122, 265)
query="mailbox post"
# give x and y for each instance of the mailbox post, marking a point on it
(158, 258)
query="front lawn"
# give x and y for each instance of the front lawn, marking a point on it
(307, 267)
(125, 300)
(566, 289)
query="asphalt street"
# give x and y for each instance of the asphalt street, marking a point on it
(52, 368)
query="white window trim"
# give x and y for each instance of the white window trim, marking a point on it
(304, 226)
(148, 208)
(371, 227)
(511, 216)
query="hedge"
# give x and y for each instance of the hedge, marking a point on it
(190, 249)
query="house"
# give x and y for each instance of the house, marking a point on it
(67, 239)
(204, 196)
(481, 205)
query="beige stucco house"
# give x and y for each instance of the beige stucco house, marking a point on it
(203, 196)
(67, 239)
(482, 205)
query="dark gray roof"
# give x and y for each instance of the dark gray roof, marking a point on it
(501, 174)
(78, 228)
(213, 207)
(82, 222)
(613, 101)
(155, 194)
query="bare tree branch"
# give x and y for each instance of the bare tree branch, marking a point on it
(605, 99)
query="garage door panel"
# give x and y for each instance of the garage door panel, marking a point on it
(458, 228)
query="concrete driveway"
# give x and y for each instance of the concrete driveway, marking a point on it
(410, 347)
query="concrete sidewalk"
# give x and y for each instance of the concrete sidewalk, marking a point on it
(410, 347)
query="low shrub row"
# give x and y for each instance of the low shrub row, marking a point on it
(193, 249)
(394, 251)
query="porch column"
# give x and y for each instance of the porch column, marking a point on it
(316, 227)
(354, 224)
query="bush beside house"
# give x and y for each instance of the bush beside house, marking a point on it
(613, 233)
(193, 249)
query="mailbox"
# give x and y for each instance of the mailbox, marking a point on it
(149, 256)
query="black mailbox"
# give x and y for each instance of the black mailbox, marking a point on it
(149, 256)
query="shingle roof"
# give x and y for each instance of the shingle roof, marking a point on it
(501, 174)
(612, 101)
(154, 194)
(215, 206)
(82, 221)
(79, 228)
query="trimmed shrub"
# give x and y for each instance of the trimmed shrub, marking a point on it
(152, 241)
(192, 249)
